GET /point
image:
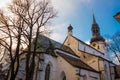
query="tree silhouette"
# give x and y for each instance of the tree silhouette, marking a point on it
(19, 28)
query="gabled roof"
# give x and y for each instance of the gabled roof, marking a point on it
(68, 49)
(94, 49)
(86, 44)
(44, 43)
(76, 62)
(81, 42)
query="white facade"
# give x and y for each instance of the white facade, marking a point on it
(59, 68)
(88, 75)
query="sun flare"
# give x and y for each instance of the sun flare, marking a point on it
(4, 3)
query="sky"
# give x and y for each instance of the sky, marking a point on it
(78, 13)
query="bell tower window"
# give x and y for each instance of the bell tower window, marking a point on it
(98, 47)
(94, 44)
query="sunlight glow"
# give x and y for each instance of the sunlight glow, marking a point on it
(4, 3)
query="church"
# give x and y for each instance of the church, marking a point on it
(74, 59)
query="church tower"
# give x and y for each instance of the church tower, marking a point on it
(97, 41)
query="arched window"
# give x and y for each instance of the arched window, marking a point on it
(94, 44)
(47, 72)
(98, 47)
(64, 78)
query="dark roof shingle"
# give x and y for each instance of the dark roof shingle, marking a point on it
(76, 62)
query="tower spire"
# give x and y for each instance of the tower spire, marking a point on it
(95, 31)
(94, 21)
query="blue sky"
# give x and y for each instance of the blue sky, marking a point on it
(78, 13)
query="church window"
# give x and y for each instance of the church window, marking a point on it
(98, 47)
(64, 78)
(94, 45)
(68, 44)
(47, 72)
(84, 56)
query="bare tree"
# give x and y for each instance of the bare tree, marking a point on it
(19, 28)
(114, 45)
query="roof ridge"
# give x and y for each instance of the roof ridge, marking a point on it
(78, 62)
(86, 44)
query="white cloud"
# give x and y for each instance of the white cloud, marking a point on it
(65, 9)
(114, 58)
(87, 42)
(59, 32)
(3, 3)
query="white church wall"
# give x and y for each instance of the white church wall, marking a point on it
(105, 67)
(104, 49)
(48, 59)
(88, 49)
(112, 71)
(94, 63)
(69, 70)
(107, 70)
(58, 66)
(89, 75)
(73, 44)
(101, 64)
